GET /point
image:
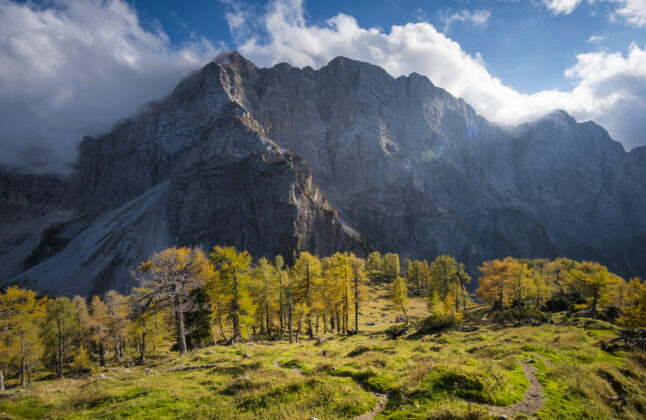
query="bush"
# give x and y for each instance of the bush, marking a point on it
(434, 324)
(520, 315)
(610, 313)
(396, 330)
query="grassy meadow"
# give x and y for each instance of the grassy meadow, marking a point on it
(456, 374)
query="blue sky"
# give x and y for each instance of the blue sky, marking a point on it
(75, 67)
(524, 43)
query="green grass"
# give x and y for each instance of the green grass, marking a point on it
(448, 375)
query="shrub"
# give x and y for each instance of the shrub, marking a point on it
(519, 315)
(434, 324)
(396, 330)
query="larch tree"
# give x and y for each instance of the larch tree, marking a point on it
(359, 284)
(279, 275)
(117, 321)
(413, 276)
(99, 329)
(233, 270)
(634, 309)
(341, 272)
(390, 267)
(593, 282)
(142, 320)
(171, 275)
(519, 278)
(264, 291)
(60, 328)
(462, 280)
(399, 295)
(494, 284)
(443, 273)
(83, 333)
(307, 271)
(23, 314)
(218, 299)
(373, 266)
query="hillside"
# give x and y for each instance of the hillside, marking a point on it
(564, 370)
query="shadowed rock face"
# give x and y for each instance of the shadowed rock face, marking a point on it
(244, 156)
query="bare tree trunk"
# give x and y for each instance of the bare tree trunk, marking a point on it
(594, 304)
(22, 360)
(142, 349)
(267, 314)
(1, 381)
(356, 303)
(280, 302)
(101, 353)
(291, 313)
(179, 323)
(60, 347)
(457, 296)
(29, 373)
(235, 312)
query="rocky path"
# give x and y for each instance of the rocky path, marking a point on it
(533, 399)
(382, 399)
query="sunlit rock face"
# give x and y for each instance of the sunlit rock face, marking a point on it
(343, 158)
(419, 172)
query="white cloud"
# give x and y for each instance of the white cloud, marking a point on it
(74, 67)
(609, 88)
(562, 6)
(633, 11)
(594, 39)
(477, 17)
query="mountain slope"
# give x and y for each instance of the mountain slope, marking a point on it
(346, 157)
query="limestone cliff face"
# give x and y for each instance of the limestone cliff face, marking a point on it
(419, 172)
(196, 169)
(341, 158)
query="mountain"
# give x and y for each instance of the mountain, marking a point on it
(282, 159)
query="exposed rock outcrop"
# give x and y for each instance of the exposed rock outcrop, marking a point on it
(346, 157)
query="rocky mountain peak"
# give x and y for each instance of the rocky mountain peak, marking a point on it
(282, 159)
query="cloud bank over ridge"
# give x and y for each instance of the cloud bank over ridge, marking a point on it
(610, 88)
(76, 67)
